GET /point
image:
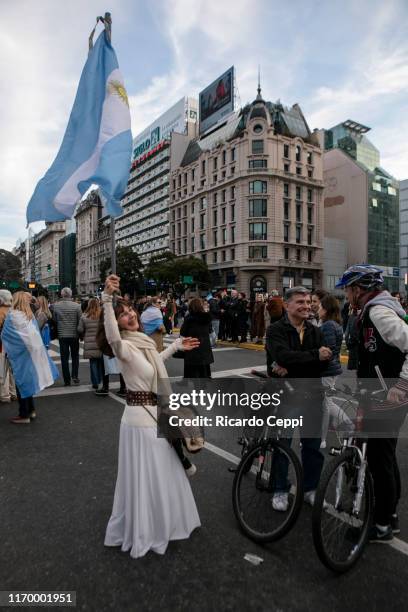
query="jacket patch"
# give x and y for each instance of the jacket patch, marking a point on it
(370, 341)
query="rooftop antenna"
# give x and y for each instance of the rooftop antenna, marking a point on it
(259, 96)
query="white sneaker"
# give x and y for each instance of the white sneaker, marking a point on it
(191, 470)
(280, 501)
(309, 497)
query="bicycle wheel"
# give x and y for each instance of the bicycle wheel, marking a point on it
(253, 488)
(340, 529)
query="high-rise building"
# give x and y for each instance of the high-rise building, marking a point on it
(360, 200)
(248, 199)
(93, 243)
(144, 224)
(46, 255)
(404, 234)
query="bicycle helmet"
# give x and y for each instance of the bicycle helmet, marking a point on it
(362, 275)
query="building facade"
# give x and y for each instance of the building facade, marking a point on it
(248, 199)
(46, 255)
(403, 204)
(93, 243)
(144, 225)
(361, 200)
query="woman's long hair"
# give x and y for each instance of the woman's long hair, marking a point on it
(101, 340)
(332, 307)
(93, 310)
(21, 302)
(43, 306)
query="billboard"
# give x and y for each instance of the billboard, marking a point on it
(217, 100)
(173, 120)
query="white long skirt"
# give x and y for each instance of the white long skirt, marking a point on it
(153, 501)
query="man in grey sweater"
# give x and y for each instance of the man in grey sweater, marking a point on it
(67, 315)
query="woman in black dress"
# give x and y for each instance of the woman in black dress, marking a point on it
(197, 325)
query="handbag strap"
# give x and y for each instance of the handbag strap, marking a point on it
(149, 413)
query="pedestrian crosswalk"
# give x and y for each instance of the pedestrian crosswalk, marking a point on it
(55, 354)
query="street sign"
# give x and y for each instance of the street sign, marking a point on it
(14, 284)
(53, 287)
(188, 280)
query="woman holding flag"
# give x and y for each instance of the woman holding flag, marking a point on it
(32, 367)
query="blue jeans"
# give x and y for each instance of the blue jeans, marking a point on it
(97, 370)
(312, 461)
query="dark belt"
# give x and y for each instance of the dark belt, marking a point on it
(141, 398)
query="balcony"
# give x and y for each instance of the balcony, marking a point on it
(294, 263)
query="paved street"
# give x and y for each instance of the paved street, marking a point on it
(57, 479)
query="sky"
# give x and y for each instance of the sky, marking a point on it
(339, 60)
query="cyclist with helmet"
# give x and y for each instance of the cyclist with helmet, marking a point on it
(382, 342)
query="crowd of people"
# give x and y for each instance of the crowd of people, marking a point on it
(303, 333)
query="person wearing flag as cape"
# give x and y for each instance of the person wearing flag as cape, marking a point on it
(32, 367)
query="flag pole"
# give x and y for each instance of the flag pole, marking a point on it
(107, 20)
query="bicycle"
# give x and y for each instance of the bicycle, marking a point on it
(255, 483)
(344, 503)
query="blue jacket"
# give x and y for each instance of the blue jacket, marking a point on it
(332, 338)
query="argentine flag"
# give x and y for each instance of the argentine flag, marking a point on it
(32, 367)
(97, 145)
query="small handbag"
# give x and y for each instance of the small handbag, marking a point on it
(192, 438)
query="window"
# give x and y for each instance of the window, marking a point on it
(258, 252)
(215, 163)
(185, 210)
(224, 158)
(215, 236)
(298, 193)
(374, 202)
(285, 232)
(202, 241)
(286, 189)
(310, 158)
(309, 214)
(215, 200)
(223, 195)
(257, 146)
(185, 246)
(233, 233)
(192, 244)
(202, 221)
(178, 213)
(184, 228)
(286, 253)
(192, 224)
(257, 128)
(257, 163)
(232, 170)
(203, 167)
(310, 236)
(204, 257)
(192, 208)
(377, 186)
(203, 203)
(310, 173)
(310, 195)
(223, 256)
(179, 180)
(223, 215)
(258, 231)
(298, 233)
(193, 174)
(298, 255)
(286, 167)
(232, 212)
(233, 192)
(257, 187)
(233, 154)
(224, 236)
(178, 229)
(215, 178)
(298, 153)
(232, 253)
(185, 178)
(392, 190)
(286, 151)
(298, 170)
(179, 247)
(309, 256)
(298, 212)
(257, 208)
(215, 218)
(174, 183)
(286, 210)
(173, 215)
(215, 257)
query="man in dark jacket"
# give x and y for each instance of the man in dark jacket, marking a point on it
(215, 312)
(295, 348)
(67, 315)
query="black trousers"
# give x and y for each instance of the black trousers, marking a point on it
(67, 346)
(383, 464)
(25, 405)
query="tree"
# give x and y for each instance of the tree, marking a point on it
(168, 270)
(10, 266)
(128, 267)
